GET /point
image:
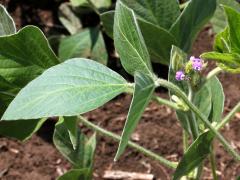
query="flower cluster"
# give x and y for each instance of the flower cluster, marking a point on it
(195, 64)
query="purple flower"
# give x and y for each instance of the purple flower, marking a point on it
(197, 63)
(180, 75)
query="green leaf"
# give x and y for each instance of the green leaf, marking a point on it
(78, 2)
(233, 21)
(196, 153)
(97, 3)
(158, 41)
(71, 124)
(68, 89)
(62, 141)
(88, 43)
(160, 13)
(69, 18)
(219, 20)
(218, 98)
(193, 18)
(107, 19)
(7, 25)
(177, 60)
(228, 61)
(203, 100)
(222, 42)
(17, 74)
(128, 38)
(20, 129)
(28, 47)
(82, 156)
(75, 174)
(144, 88)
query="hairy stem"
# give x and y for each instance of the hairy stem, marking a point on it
(229, 116)
(214, 72)
(130, 144)
(201, 117)
(160, 100)
(213, 164)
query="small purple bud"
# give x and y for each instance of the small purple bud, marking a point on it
(180, 75)
(197, 63)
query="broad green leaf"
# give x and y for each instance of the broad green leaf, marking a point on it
(75, 174)
(195, 154)
(218, 98)
(28, 47)
(128, 38)
(7, 25)
(203, 100)
(193, 18)
(78, 2)
(228, 61)
(161, 13)
(88, 43)
(177, 60)
(68, 89)
(69, 18)
(16, 73)
(62, 141)
(222, 42)
(143, 90)
(219, 20)
(20, 129)
(158, 41)
(233, 21)
(107, 19)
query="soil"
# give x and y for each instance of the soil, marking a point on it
(159, 131)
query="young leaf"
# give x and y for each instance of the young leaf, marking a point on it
(7, 25)
(192, 19)
(222, 42)
(217, 99)
(68, 89)
(63, 143)
(144, 87)
(196, 153)
(20, 129)
(82, 156)
(69, 18)
(233, 21)
(228, 61)
(71, 124)
(28, 47)
(160, 13)
(128, 38)
(75, 174)
(87, 43)
(158, 41)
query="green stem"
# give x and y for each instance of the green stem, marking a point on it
(214, 72)
(229, 116)
(185, 141)
(183, 5)
(165, 102)
(213, 164)
(131, 144)
(201, 117)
